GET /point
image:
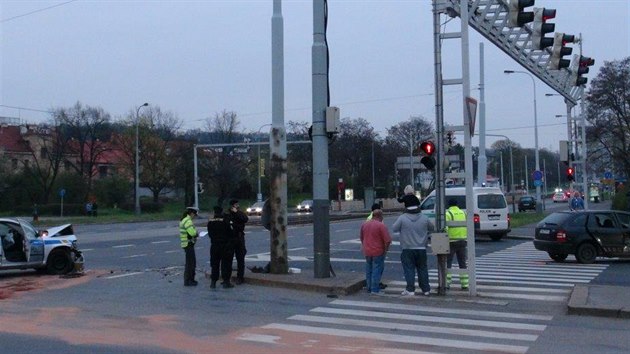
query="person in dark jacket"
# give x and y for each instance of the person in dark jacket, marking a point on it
(409, 198)
(237, 220)
(221, 249)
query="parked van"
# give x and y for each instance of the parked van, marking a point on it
(490, 209)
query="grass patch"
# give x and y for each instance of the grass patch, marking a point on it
(522, 219)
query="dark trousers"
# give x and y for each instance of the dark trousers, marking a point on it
(191, 263)
(240, 251)
(458, 248)
(221, 255)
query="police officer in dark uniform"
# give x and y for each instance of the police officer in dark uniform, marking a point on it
(237, 220)
(221, 249)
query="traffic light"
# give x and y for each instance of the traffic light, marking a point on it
(570, 174)
(583, 64)
(428, 148)
(540, 28)
(559, 49)
(516, 16)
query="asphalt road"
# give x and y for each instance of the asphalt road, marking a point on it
(131, 300)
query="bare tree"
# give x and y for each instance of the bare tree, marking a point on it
(88, 128)
(223, 169)
(608, 111)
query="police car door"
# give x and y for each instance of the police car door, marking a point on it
(33, 243)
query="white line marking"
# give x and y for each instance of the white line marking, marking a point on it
(122, 246)
(498, 314)
(260, 338)
(123, 275)
(156, 242)
(415, 328)
(136, 255)
(171, 251)
(467, 345)
(86, 249)
(432, 319)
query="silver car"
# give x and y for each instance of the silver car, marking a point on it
(53, 250)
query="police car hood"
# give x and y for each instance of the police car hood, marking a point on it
(58, 231)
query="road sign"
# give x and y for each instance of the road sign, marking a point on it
(608, 175)
(537, 175)
(62, 192)
(537, 183)
(471, 113)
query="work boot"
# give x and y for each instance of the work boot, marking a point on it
(213, 284)
(227, 285)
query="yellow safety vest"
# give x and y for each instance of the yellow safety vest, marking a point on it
(187, 231)
(455, 233)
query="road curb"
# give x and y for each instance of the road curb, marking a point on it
(344, 283)
(588, 300)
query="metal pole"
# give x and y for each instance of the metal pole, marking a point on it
(482, 161)
(279, 258)
(472, 286)
(373, 174)
(411, 179)
(195, 177)
(321, 203)
(526, 176)
(502, 180)
(439, 127)
(137, 177)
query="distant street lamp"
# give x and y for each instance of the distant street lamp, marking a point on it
(137, 188)
(259, 195)
(538, 205)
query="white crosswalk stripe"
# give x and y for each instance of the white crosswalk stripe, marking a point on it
(385, 327)
(520, 272)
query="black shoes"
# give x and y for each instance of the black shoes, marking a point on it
(228, 285)
(213, 284)
(239, 281)
(191, 283)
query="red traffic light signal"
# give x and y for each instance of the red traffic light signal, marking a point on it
(428, 148)
(583, 64)
(570, 174)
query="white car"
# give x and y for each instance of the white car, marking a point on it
(305, 205)
(560, 197)
(53, 250)
(256, 208)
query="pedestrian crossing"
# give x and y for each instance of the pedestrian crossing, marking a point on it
(397, 328)
(520, 272)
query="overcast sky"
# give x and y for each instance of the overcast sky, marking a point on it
(197, 58)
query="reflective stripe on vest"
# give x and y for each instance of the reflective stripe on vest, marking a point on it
(456, 214)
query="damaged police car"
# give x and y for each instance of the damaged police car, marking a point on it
(53, 250)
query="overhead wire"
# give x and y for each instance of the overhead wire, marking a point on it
(35, 11)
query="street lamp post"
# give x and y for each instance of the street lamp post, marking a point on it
(538, 205)
(137, 187)
(259, 195)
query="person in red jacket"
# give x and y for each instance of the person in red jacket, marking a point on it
(375, 240)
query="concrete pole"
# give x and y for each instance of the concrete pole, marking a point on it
(321, 202)
(502, 180)
(411, 179)
(482, 161)
(526, 176)
(279, 259)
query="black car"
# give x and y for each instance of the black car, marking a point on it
(527, 202)
(585, 234)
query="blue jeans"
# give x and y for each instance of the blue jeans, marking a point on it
(373, 272)
(415, 260)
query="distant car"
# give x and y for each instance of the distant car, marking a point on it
(585, 234)
(256, 208)
(527, 202)
(53, 250)
(560, 197)
(305, 206)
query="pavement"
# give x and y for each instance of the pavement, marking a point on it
(600, 300)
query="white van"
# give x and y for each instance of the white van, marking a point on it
(490, 209)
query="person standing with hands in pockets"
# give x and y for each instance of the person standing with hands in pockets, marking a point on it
(187, 237)
(375, 241)
(237, 220)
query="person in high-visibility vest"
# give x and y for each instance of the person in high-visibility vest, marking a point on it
(457, 242)
(187, 237)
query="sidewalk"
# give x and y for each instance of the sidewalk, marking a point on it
(600, 300)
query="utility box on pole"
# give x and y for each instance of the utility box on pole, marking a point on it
(564, 151)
